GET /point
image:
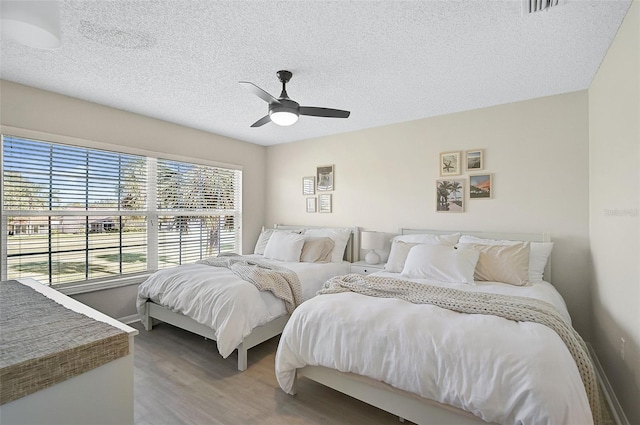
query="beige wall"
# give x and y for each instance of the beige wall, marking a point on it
(565, 164)
(384, 178)
(37, 110)
(614, 139)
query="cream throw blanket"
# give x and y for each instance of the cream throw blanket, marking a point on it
(282, 282)
(514, 308)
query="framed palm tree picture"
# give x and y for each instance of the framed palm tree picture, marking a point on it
(450, 164)
(450, 195)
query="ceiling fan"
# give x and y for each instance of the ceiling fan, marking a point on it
(284, 111)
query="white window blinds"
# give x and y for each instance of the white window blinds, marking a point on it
(72, 214)
(198, 211)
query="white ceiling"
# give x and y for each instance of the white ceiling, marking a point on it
(385, 61)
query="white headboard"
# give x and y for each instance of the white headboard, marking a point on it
(351, 252)
(527, 237)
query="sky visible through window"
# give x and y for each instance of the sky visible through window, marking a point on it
(67, 176)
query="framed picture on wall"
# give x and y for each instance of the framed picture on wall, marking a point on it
(324, 203)
(480, 186)
(450, 195)
(474, 160)
(324, 175)
(311, 205)
(450, 163)
(309, 185)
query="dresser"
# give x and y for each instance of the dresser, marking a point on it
(62, 361)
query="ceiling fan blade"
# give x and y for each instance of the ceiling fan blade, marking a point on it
(262, 121)
(259, 92)
(323, 112)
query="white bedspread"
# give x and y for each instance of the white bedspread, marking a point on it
(216, 297)
(502, 371)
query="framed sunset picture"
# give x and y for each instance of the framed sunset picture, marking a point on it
(480, 186)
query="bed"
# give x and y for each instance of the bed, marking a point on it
(433, 365)
(216, 303)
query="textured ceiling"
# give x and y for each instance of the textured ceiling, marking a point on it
(385, 61)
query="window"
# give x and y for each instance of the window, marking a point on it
(72, 214)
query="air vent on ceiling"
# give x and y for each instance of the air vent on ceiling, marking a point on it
(532, 6)
(115, 37)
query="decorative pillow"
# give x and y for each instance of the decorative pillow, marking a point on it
(538, 255)
(442, 263)
(398, 256)
(340, 237)
(284, 246)
(317, 250)
(502, 263)
(450, 240)
(481, 241)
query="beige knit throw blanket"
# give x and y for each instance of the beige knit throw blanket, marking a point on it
(282, 282)
(520, 309)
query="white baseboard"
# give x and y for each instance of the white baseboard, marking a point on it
(127, 320)
(610, 397)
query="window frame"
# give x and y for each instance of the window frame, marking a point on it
(151, 212)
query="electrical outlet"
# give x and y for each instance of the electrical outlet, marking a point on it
(622, 342)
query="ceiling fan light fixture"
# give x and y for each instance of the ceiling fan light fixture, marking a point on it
(285, 111)
(283, 116)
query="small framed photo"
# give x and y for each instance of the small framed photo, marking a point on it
(450, 195)
(309, 185)
(450, 163)
(324, 203)
(474, 160)
(480, 186)
(311, 205)
(324, 174)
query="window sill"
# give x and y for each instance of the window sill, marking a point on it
(85, 287)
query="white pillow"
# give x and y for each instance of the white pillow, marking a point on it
(339, 235)
(442, 263)
(401, 244)
(451, 239)
(538, 257)
(398, 256)
(539, 253)
(284, 246)
(262, 241)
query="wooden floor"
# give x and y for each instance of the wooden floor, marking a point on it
(180, 378)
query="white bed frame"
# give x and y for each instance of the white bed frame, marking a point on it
(259, 334)
(402, 403)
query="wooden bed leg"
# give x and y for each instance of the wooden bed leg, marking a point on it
(242, 358)
(294, 390)
(147, 321)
